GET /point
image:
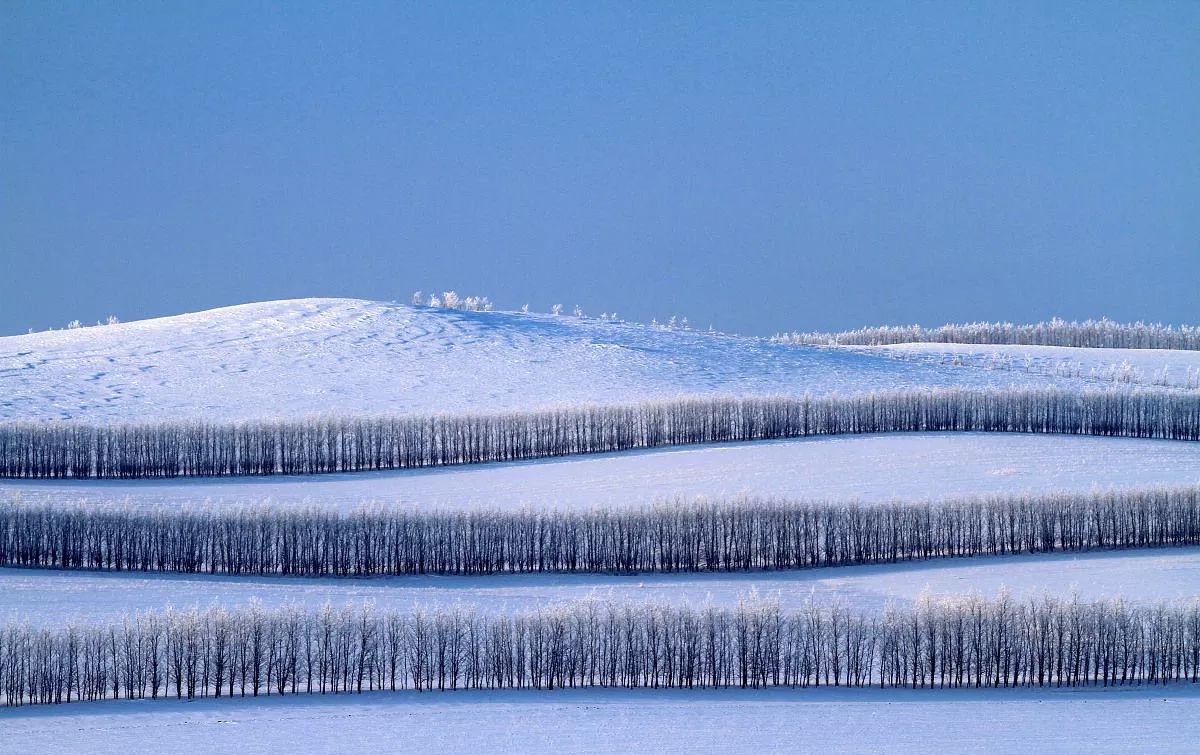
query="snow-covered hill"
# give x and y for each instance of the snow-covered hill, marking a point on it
(310, 356)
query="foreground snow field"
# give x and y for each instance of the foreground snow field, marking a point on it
(1128, 720)
(312, 356)
(915, 466)
(52, 597)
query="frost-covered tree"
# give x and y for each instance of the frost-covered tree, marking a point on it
(1102, 333)
(475, 304)
(451, 300)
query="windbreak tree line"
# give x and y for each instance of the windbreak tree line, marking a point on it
(965, 642)
(339, 444)
(740, 534)
(1102, 333)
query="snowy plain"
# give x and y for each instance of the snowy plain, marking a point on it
(302, 357)
(871, 468)
(826, 720)
(47, 597)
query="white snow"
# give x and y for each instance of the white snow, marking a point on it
(315, 356)
(1161, 367)
(826, 720)
(912, 466)
(311, 356)
(53, 597)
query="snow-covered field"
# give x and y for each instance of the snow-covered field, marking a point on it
(316, 356)
(913, 466)
(1160, 367)
(1128, 720)
(52, 597)
(313, 356)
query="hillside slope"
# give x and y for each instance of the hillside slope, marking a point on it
(311, 356)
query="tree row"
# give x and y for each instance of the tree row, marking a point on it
(1102, 333)
(700, 535)
(341, 444)
(965, 642)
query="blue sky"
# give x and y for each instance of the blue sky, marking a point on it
(757, 166)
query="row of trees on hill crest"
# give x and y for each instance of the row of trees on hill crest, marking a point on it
(1102, 333)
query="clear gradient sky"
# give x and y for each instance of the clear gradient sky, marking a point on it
(757, 166)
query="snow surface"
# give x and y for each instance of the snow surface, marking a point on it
(316, 356)
(310, 356)
(1162, 367)
(46, 597)
(912, 466)
(826, 720)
